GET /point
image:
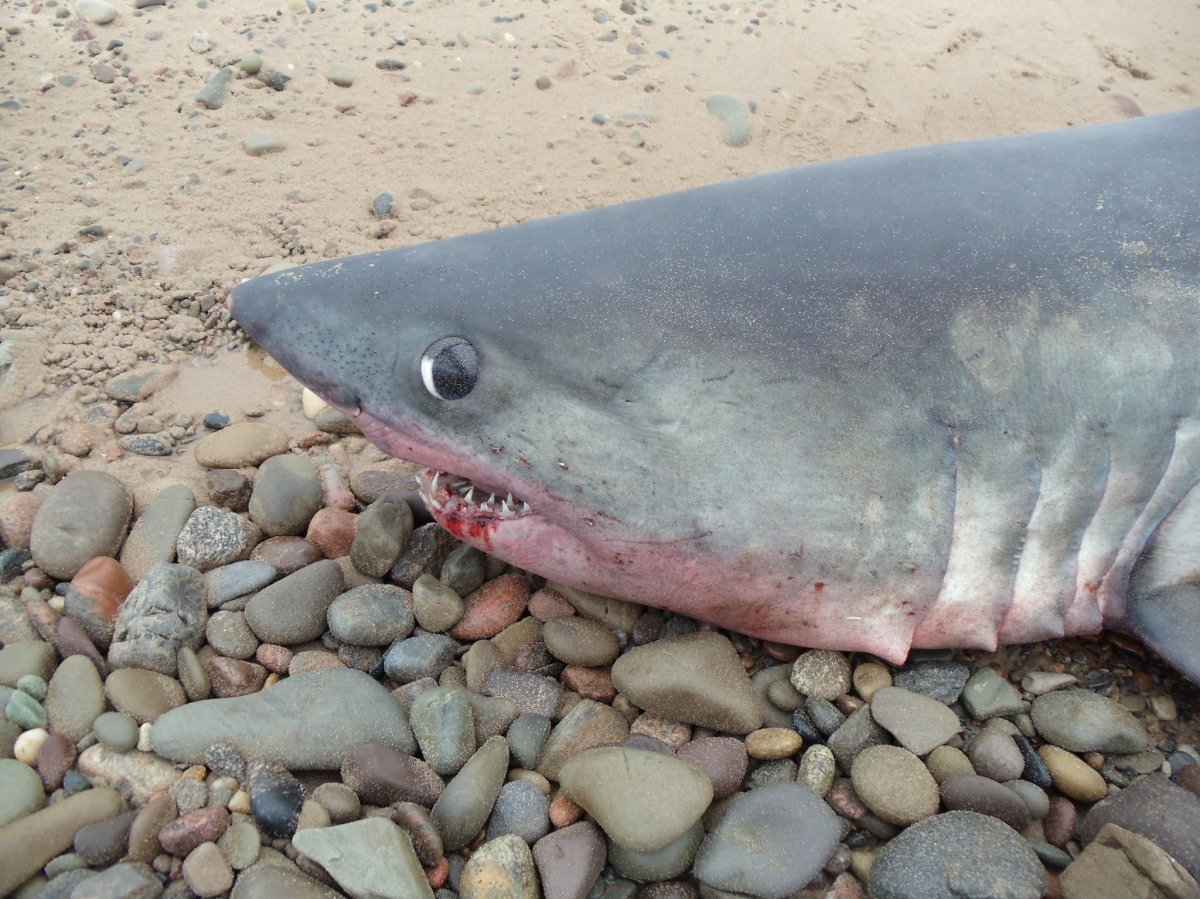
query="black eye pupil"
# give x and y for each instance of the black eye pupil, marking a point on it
(454, 371)
(450, 368)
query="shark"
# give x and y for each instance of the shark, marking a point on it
(945, 396)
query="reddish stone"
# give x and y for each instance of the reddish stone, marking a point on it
(1189, 778)
(564, 810)
(843, 800)
(493, 607)
(781, 652)
(16, 518)
(590, 683)
(54, 760)
(273, 657)
(228, 488)
(234, 677)
(332, 531)
(43, 617)
(1059, 823)
(72, 640)
(185, 833)
(286, 554)
(35, 577)
(438, 874)
(104, 581)
(548, 603)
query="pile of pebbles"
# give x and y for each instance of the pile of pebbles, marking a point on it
(305, 688)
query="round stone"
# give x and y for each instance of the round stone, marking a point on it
(578, 641)
(85, 515)
(723, 759)
(894, 784)
(74, 698)
(116, 730)
(957, 855)
(294, 610)
(444, 725)
(1083, 721)
(521, 809)
(918, 723)
(996, 755)
(287, 493)
(21, 791)
(642, 800)
(822, 673)
(869, 677)
(672, 860)
(437, 607)
(372, 615)
(500, 867)
(974, 793)
(1072, 776)
(773, 743)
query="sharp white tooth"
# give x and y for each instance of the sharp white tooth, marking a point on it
(486, 506)
(491, 498)
(470, 493)
(509, 500)
(433, 483)
(504, 506)
(525, 507)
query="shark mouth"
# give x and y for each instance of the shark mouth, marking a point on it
(450, 496)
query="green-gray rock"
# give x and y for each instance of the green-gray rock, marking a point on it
(696, 678)
(463, 808)
(20, 659)
(589, 724)
(372, 857)
(295, 609)
(670, 861)
(152, 538)
(1082, 721)
(21, 791)
(444, 725)
(642, 800)
(287, 493)
(85, 515)
(308, 721)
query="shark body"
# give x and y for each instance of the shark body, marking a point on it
(946, 396)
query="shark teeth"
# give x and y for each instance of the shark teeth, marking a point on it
(452, 494)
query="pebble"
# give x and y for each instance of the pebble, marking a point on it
(27, 745)
(526, 736)
(286, 495)
(522, 809)
(493, 607)
(972, 792)
(1120, 862)
(371, 857)
(28, 843)
(821, 673)
(1072, 776)
(1083, 721)
(98, 12)
(240, 844)
(577, 641)
(437, 608)
(642, 800)
(894, 784)
(988, 695)
(127, 881)
(957, 855)
(817, 769)
(940, 680)
(212, 96)
(17, 514)
(724, 761)
(205, 870)
(94, 597)
(25, 711)
(213, 537)
(139, 774)
(919, 724)
(20, 659)
(413, 658)
(857, 733)
(444, 725)
(308, 721)
(295, 609)
(464, 570)
(1033, 796)
(275, 798)
(228, 488)
(241, 445)
(143, 695)
(21, 791)
(466, 802)
(85, 515)
(569, 860)
(229, 582)
(695, 678)
(772, 743)
(532, 693)
(730, 112)
(260, 143)
(1036, 683)
(116, 730)
(770, 842)
(268, 879)
(372, 615)
(102, 843)
(166, 611)
(869, 677)
(672, 860)
(75, 697)
(332, 531)
(500, 867)
(587, 725)
(55, 758)
(381, 775)
(384, 528)
(996, 755)
(1155, 808)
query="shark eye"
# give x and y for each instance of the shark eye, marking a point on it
(449, 368)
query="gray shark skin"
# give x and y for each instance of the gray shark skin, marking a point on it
(947, 396)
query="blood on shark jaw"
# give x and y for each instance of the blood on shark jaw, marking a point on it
(457, 498)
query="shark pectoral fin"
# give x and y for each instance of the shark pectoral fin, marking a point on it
(1168, 620)
(1163, 603)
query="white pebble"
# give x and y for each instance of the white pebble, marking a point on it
(200, 42)
(312, 404)
(143, 743)
(97, 12)
(29, 744)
